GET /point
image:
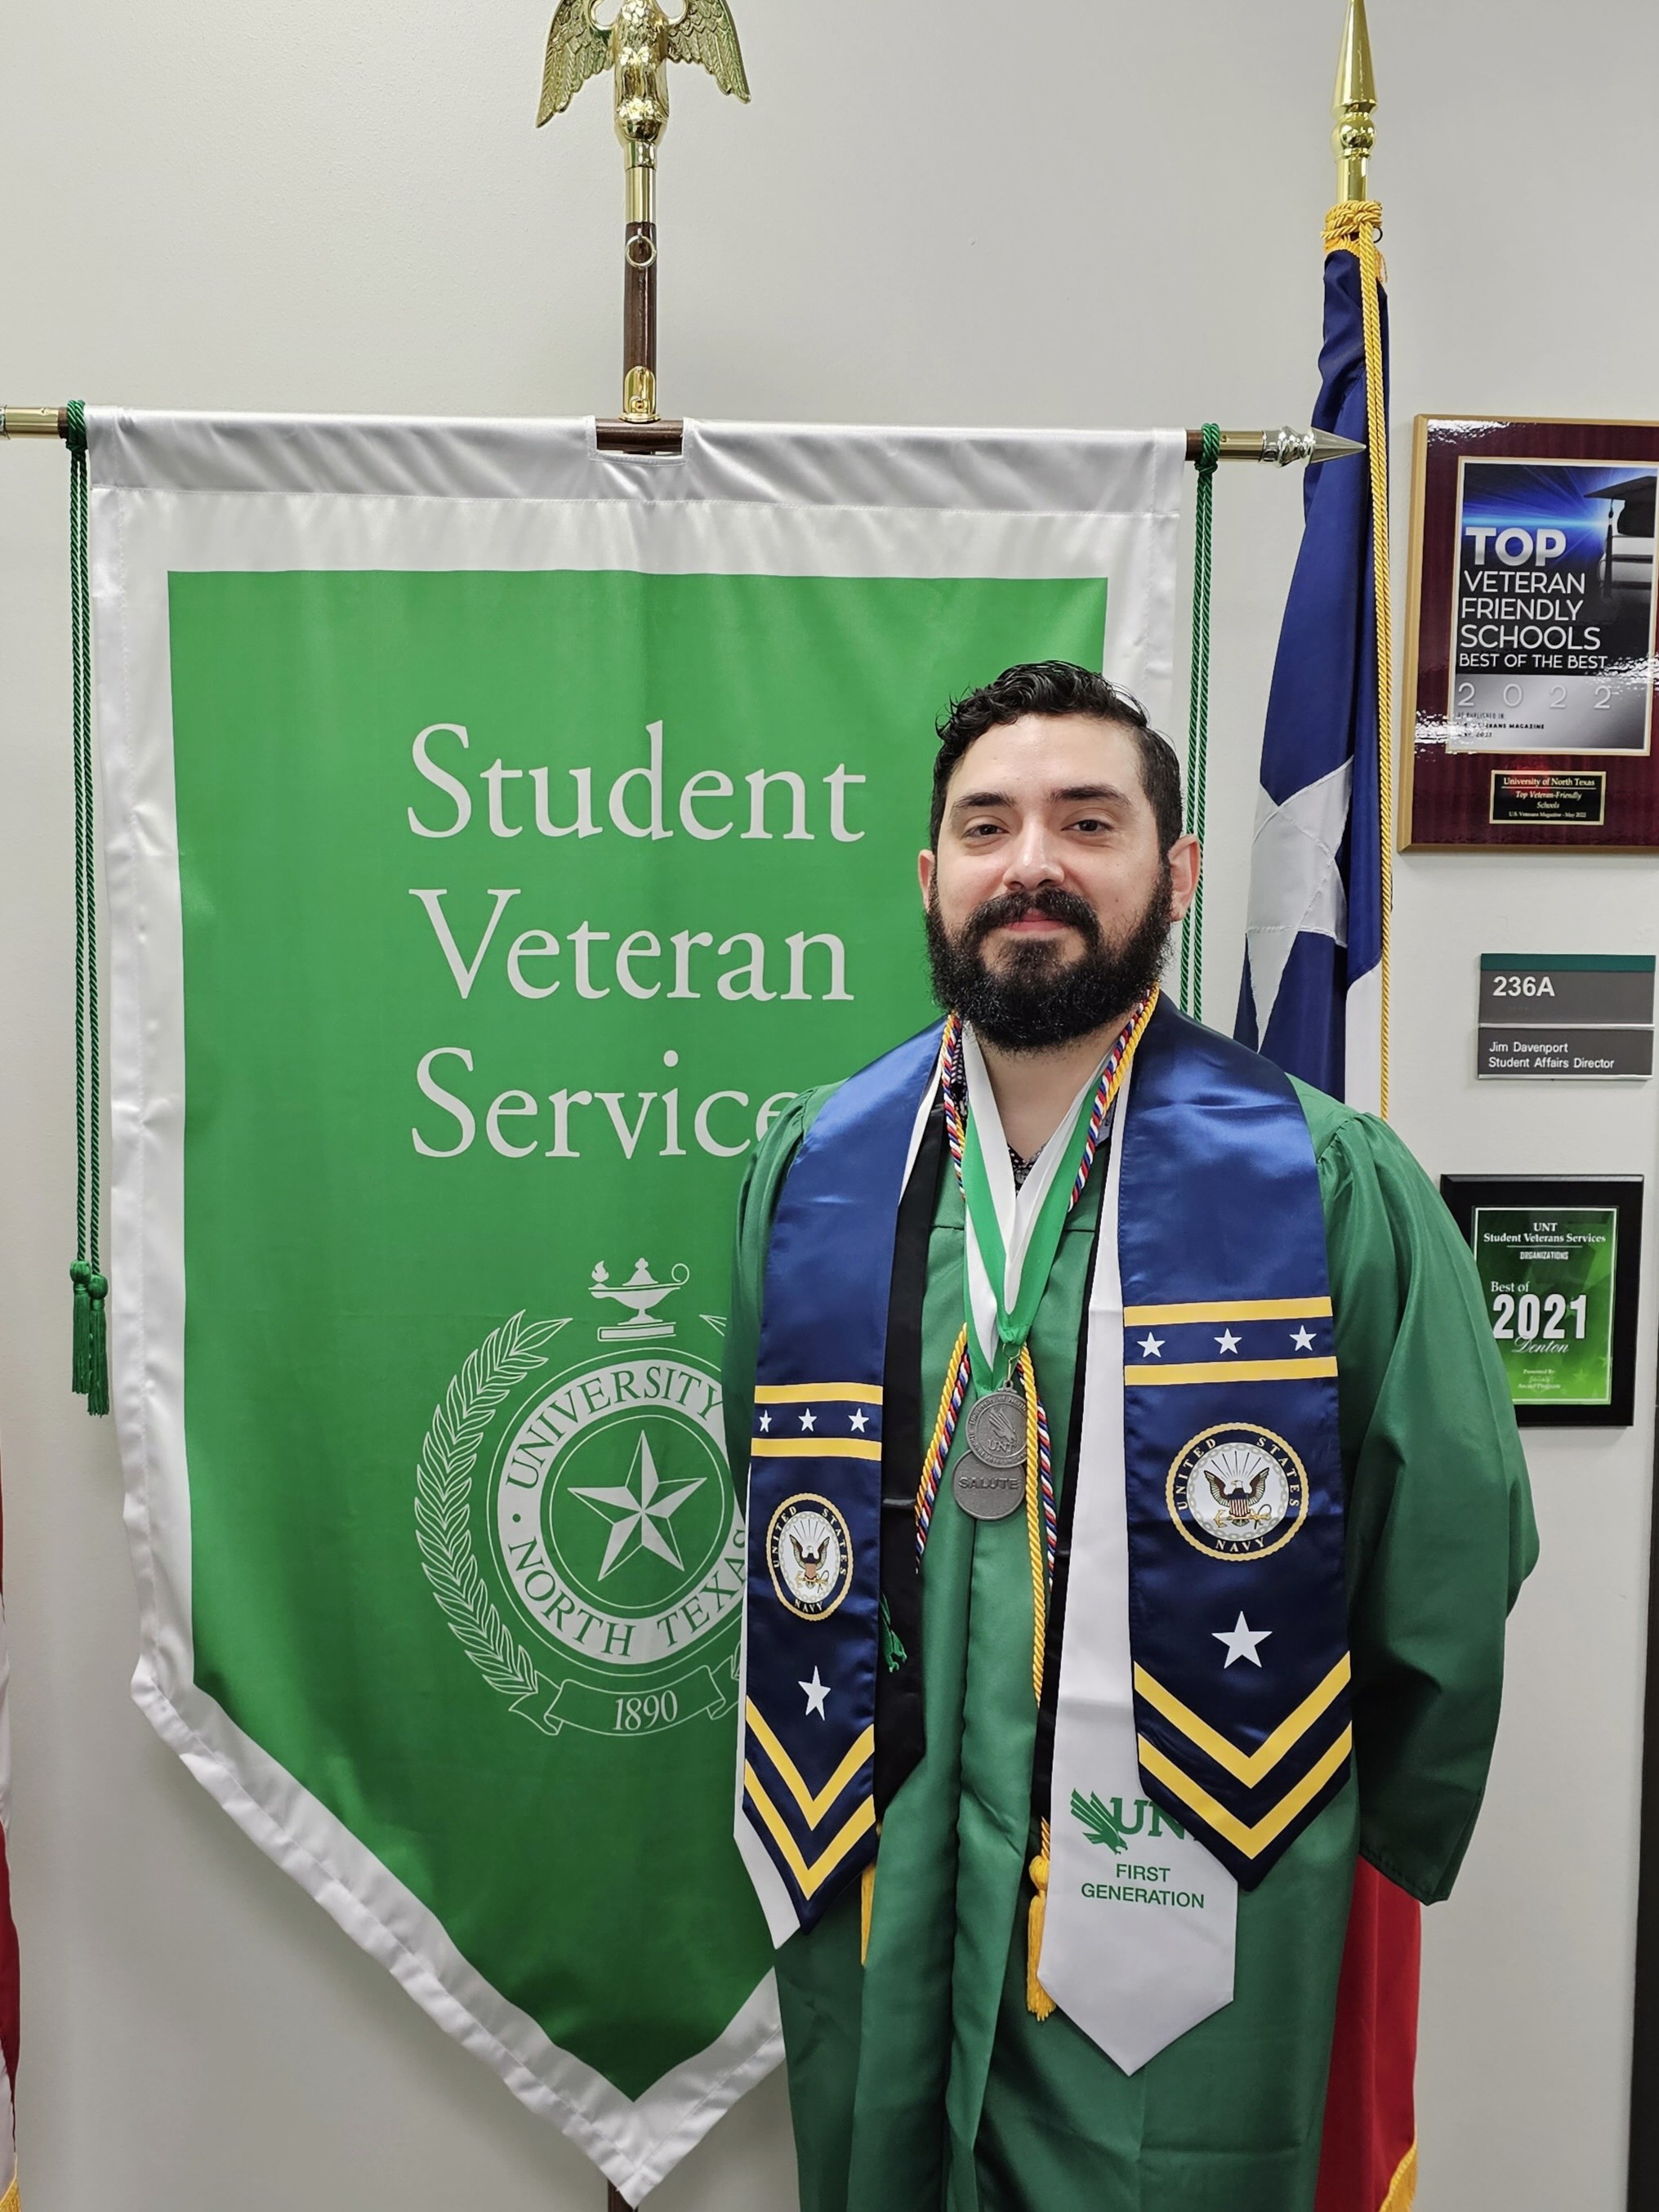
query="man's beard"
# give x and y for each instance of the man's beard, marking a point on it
(1037, 999)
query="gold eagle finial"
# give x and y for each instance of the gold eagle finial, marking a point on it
(639, 45)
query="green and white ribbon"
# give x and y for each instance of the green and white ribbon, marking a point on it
(1013, 1235)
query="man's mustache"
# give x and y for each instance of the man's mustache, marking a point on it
(1052, 901)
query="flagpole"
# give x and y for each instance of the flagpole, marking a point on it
(1356, 222)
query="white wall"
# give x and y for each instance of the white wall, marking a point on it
(1089, 213)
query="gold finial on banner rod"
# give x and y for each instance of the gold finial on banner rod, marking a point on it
(1279, 448)
(33, 422)
(1353, 107)
(637, 49)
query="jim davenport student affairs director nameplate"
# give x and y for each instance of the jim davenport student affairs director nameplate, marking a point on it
(1580, 1015)
(1529, 691)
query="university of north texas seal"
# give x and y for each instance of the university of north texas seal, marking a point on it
(607, 1592)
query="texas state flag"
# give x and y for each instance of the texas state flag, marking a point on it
(1311, 993)
(1312, 1000)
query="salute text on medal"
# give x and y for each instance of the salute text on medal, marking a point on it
(476, 932)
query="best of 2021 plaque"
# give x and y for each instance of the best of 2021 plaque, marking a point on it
(1530, 651)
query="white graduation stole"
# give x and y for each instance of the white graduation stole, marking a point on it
(1140, 1925)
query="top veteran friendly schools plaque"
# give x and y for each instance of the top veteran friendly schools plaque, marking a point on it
(1530, 654)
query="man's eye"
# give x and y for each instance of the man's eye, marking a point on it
(983, 830)
(1091, 822)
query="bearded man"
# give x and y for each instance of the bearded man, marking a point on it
(1135, 1508)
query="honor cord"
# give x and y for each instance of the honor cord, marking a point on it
(1042, 1521)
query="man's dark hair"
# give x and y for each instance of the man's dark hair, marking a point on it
(1059, 687)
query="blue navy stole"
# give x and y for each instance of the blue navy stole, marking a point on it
(1237, 1610)
(1234, 1480)
(814, 1622)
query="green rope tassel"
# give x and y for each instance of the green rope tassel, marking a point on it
(89, 1354)
(1198, 718)
(97, 1348)
(81, 1350)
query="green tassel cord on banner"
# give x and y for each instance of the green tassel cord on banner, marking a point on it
(89, 1358)
(1198, 718)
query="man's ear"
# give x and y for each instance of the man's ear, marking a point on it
(924, 865)
(1185, 862)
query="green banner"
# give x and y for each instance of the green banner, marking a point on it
(488, 867)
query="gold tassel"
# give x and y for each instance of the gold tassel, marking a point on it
(866, 1907)
(1403, 2190)
(1038, 2001)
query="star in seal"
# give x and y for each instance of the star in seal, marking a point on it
(640, 1509)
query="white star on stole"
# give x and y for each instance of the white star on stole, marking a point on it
(1303, 1338)
(766, 1425)
(639, 1510)
(817, 1692)
(1240, 1640)
(1227, 1340)
(809, 1419)
(1152, 1347)
(858, 1423)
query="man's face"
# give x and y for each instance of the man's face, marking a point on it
(1048, 880)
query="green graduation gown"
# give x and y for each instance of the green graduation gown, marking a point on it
(919, 2079)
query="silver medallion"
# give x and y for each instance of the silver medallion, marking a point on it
(989, 1479)
(989, 1493)
(996, 1433)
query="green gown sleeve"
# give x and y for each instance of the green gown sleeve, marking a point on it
(1440, 1532)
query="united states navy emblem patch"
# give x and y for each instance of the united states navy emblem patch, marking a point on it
(1237, 1492)
(810, 1555)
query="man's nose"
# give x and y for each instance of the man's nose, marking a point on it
(1032, 859)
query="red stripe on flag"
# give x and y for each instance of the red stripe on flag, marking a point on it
(1371, 2125)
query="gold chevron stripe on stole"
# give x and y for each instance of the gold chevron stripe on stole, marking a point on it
(1246, 1767)
(813, 1807)
(820, 1447)
(1233, 1371)
(802, 1394)
(1230, 1309)
(12, 2200)
(1248, 1842)
(810, 1878)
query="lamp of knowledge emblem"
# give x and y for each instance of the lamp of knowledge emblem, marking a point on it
(1237, 1493)
(582, 1535)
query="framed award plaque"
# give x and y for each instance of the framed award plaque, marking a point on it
(1559, 1260)
(1529, 678)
